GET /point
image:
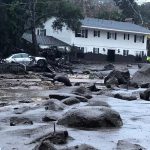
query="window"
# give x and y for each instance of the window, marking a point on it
(96, 33)
(139, 53)
(17, 56)
(96, 50)
(81, 33)
(138, 39)
(126, 36)
(111, 35)
(43, 32)
(125, 52)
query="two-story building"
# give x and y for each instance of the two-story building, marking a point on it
(106, 38)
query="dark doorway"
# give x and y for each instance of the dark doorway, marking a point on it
(111, 55)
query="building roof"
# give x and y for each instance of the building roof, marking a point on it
(114, 26)
(45, 40)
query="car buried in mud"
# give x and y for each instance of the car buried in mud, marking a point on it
(26, 59)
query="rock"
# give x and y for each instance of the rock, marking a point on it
(91, 117)
(77, 84)
(142, 76)
(26, 101)
(45, 145)
(71, 101)
(129, 65)
(82, 98)
(97, 103)
(48, 119)
(21, 110)
(109, 67)
(82, 91)
(125, 97)
(58, 96)
(145, 85)
(62, 79)
(124, 145)
(145, 95)
(93, 88)
(20, 121)
(111, 81)
(96, 76)
(80, 147)
(86, 72)
(122, 77)
(3, 104)
(55, 105)
(48, 75)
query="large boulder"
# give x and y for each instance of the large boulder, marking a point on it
(125, 97)
(125, 145)
(54, 104)
(80, 147)
(145, 95)
(71, 101)
(63, 79)
(82, 91)
(20, 121)
(117, 77)
(94, 102)
(142, 76)
(91, 117)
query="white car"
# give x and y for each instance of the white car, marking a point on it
(26, 59)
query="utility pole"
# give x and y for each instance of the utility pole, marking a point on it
(34, 40)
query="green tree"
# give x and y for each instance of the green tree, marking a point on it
(19, 16)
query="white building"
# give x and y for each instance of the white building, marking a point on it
(106, 37)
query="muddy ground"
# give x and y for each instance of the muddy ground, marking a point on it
(24, 96)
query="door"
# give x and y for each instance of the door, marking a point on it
(111, 55)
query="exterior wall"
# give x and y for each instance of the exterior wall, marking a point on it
(65, 35)
(101, 42)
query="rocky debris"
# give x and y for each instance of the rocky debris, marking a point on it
(86, 72)
(21, 110)
(82, 91)
(145, 95)
(96, 76)
(93, 88)
(145, 85)
(117, 77)
(125, 97)
(20, 121)
(58, 96)
(91, 117)
(109, 67)
(54, 104)
(124, 145)
(97, 103)
(45, 145)
(71, 101)
(142, 76)
(80, 147)
(62, 79)
(48, 119)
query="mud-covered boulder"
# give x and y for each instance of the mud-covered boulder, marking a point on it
(91, 117)
(125, 145)
(97, 103)
(125, 97)
(145, 95)
(122, 76)
(109, 67)
(45, 145)
(63, 79)
(54, 104)
(71, 101)
(80, 147)
(20, 121)
(142, 76)
(93, 88)
(82, 91)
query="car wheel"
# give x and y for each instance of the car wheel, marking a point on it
(41, 63)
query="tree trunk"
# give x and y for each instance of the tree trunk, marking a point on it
(34, 40)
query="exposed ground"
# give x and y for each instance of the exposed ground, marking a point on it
(25, 95)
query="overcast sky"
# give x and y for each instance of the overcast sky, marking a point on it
(142, 1)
